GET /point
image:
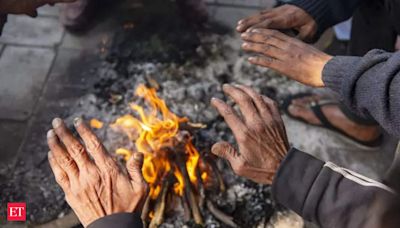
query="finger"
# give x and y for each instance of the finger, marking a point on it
(226, 151)
(73, 145)
(230, 117)
(134, 167)
(60, 175)
(273, 108)
(258, 101)
(246, 23)
(93, 145)
(255, 37)
(272, 33)
(264, 49)
(61, 155)
(246, 105)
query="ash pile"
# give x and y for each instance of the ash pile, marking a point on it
(187, 87)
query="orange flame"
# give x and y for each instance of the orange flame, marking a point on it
(152, 132)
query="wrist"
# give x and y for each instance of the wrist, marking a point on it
(319, 68)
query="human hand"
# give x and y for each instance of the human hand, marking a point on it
(93, 188)
(282, 17)
(27, 7)
(287, 55)
(260, 134)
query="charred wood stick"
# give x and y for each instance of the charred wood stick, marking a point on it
(146, 210)
(181, 164)
(160, 206)
(215, 169)
(228, 220)
(200, 187)
(187, 212)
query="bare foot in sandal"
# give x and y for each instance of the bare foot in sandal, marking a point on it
(300, 108)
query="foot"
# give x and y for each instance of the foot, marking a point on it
(193, 10)
(301, 108)
(78, 15)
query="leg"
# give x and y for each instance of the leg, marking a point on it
(372, 28)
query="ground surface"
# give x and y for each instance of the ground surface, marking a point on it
(44, 70)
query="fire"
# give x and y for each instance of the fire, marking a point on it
(154, 132)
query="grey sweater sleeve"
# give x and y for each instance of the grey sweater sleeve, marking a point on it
(327, 13)
(331, 196)
(369, 85)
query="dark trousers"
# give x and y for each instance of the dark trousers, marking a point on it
(373, 28)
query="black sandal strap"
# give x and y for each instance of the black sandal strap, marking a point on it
(317, 110)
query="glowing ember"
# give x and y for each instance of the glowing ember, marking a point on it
(95, 123)
(155, 134)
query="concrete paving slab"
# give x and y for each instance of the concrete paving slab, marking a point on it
(11, 136)
(94, 39)
(41, 31)
(23, 71)
(72, 69)
(48, 10)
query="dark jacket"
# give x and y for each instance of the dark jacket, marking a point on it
(331, 12)
(120, 220)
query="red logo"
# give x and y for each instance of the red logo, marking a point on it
(16, 211)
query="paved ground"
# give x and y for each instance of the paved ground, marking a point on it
(42, 72)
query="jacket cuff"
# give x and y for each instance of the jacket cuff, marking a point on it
(294, 179)
(318, 10)
(118, 220)
(337, 70)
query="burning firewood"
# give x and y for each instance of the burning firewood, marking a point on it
(160, 206)
(221, 215)
(171, 164)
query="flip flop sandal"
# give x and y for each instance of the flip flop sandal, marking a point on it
(316, 108)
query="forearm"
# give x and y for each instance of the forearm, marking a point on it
(121, 220)
(368, 85)
(331, 196)
(327, 12)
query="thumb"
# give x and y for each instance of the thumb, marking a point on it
(134, 167)
(224, 150)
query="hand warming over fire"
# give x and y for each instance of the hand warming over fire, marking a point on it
(282, 17)
(27, 7)
(287, 55)
(259, 132)
(94, 187)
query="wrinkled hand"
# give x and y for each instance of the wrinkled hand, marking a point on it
(287, 55)
(260, 134)
(282, 18)
(93, 188)
(27, 7)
